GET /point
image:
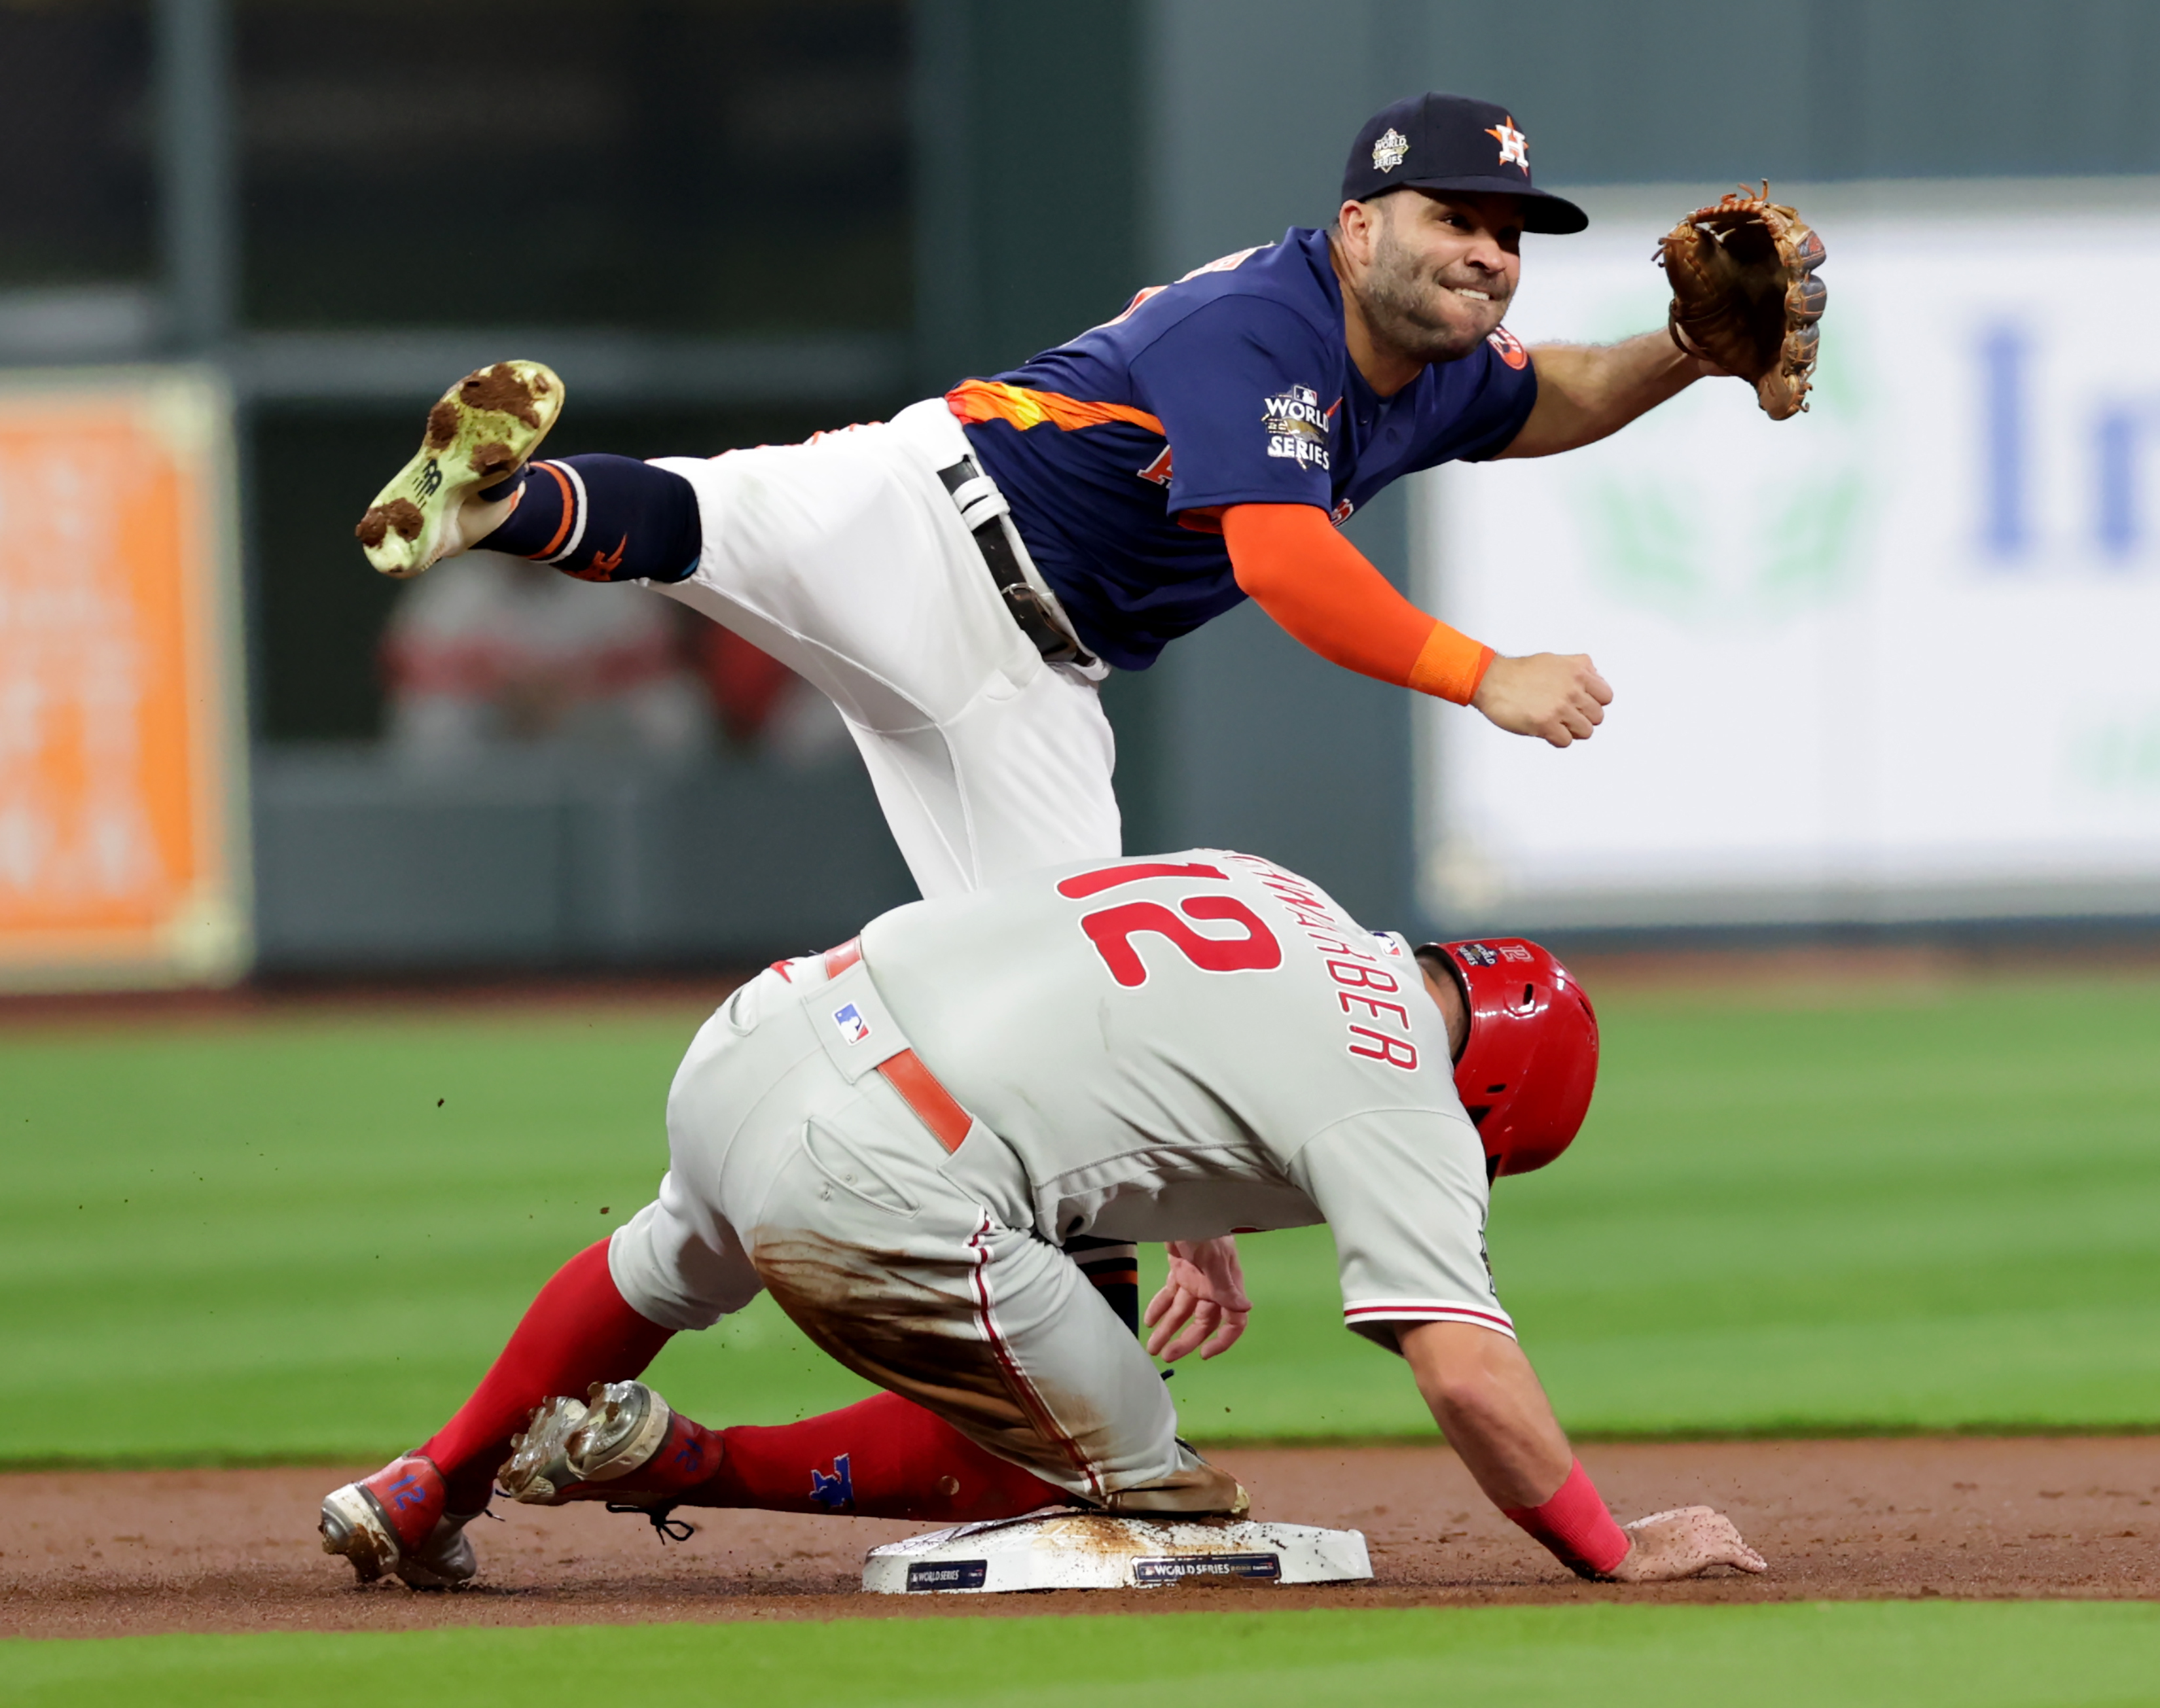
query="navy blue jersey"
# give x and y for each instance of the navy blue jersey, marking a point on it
(1120, 450)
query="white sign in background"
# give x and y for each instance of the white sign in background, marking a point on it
(1897, 658)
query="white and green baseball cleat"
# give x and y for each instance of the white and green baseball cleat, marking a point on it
(485, 429)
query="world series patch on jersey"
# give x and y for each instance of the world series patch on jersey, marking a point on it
(1297, 426)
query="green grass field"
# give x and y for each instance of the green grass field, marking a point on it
(1854, 1655)
(303, 1238)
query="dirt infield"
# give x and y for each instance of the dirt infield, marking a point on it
(98, 1553)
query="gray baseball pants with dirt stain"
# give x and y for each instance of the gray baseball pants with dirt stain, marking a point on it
(797, 1167)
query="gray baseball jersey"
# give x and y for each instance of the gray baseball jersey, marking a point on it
(1202, 1043)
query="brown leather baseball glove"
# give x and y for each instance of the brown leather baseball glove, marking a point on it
(1745, 294)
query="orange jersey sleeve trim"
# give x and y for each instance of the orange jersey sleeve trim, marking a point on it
(1327, 595)
(993, 400)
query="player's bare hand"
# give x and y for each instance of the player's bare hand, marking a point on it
(1559, 696)
(1202, 1303)
(1684, 1543)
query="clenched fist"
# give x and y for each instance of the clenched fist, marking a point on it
(1559, 696)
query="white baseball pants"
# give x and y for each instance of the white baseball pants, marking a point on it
(917, 1269)
(846, 558)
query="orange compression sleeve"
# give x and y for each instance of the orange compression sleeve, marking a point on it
(1329, 596)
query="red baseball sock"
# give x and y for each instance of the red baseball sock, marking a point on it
(884, 1457)
(579, 1331)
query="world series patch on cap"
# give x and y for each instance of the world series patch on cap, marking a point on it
(1450, 142)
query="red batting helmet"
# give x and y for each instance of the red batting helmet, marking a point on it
(1527, 1072)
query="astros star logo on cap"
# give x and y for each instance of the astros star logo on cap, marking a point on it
(1514, 146)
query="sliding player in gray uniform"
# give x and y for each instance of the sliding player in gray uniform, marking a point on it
(895, 1139)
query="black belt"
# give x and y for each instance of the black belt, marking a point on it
(1027, 605)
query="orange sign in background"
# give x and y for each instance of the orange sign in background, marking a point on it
(122, 752)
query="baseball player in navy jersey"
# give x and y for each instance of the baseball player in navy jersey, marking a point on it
(895, 1138)
(960, 578)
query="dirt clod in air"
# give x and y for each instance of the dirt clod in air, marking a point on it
(493, 458)
(402, 514)
(499, 388)
(442, 425)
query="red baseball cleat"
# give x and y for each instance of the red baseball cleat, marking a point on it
(394, 1521)
(622, 1444)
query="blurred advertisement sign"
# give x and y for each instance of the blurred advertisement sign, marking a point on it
(122, 780)
(1895, 658)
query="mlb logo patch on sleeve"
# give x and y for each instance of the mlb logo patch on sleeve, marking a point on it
(853, 1026)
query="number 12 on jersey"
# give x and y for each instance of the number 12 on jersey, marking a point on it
(1112, 929)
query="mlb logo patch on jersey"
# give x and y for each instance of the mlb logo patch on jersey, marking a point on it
(853, 1026)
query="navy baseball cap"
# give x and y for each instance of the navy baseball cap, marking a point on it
(1450, 142)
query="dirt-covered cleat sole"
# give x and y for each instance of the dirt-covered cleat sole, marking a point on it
(538, 1471)
(625, 1424)
(484, 429)
(622, 1444)
(353, 1525)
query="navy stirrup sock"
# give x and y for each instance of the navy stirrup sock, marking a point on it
(602, 518)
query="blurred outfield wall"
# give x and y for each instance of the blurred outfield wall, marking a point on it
(1891, 661)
